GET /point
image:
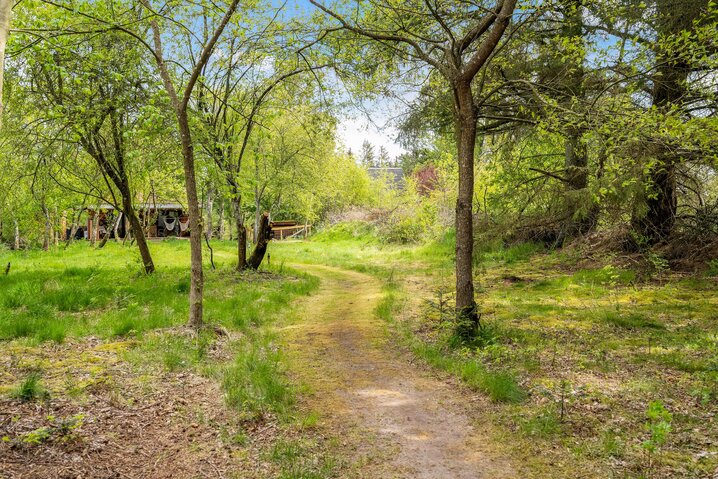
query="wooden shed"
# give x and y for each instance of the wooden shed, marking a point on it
(160, 220)
(289, 229)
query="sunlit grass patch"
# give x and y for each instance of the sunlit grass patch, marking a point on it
(509, 254)
(631, 321)
(607, 276)
(173, 350)
(300, 459)
(254, 382)
(500, 386)
(544, 423)
(88, 292)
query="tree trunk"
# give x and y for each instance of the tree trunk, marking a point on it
(576, 156)
(657, 223)
(241, 232)
(578, 219)
(138, 233)
(120, 218)
(92, 228)
(660, 212)
(195, 227)
(47, 235)
(257, 217)
(73, 229)
(208, 212)
(55, 236)
(180, 107)
(466, 309)
(110, 230)
(669, 90)
(220, 219)
(17, 236)
(263, 237)
(5, 13)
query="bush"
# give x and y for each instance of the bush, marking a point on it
(347, 231)
(30, 389)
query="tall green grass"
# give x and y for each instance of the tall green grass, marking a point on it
(500, 386)
(254, 382)
(85, 291)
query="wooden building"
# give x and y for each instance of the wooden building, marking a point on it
(160, 220)
(289, 229)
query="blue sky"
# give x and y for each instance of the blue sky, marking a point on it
(354, 125)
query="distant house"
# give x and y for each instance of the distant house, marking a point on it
(393, 176)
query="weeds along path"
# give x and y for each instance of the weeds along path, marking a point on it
(393, 418)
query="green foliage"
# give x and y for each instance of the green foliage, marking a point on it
(658, 425)
(60, 429)
(354, 231)
(38, 436)
(30, 389)
(712, 270)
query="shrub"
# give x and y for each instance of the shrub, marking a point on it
(30, 389)
(658, 424)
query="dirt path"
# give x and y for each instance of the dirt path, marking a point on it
(394, 417)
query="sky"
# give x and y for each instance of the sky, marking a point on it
(354, 123)
(354, 128)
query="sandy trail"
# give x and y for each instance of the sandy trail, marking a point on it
(394, 417)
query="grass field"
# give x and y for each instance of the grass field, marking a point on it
(588, 361)
(594, 369)
(74, 322)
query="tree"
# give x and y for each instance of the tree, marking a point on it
(291, 157)
(673, 65)
(366, 155)
(5, 12)
(384, 160)
(180, 103)
(232, 97)
(93, 94)
(457, 40)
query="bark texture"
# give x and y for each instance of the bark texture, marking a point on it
(5, 13)
(208, 212)
(241, 231)
(263, 238)
(466, 309)
(669, 90)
